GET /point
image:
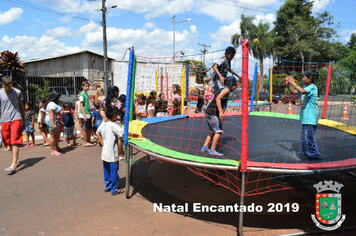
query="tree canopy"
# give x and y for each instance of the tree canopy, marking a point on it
(300, 36)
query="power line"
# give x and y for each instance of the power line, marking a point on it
(237, 6)
(35, 7)
(204, 51)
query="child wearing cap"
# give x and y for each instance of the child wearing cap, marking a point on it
(221, 67)
(214, 115)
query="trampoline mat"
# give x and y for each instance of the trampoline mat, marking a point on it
(270, 139)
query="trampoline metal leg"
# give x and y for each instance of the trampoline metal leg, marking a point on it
(242, 198)
(128, 160)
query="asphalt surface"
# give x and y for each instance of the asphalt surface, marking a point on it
(63, 195)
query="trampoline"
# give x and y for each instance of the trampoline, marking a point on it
(273, 143)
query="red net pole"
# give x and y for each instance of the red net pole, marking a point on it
(167, 88)
(244, 118)
(258, 87)
(327, 91)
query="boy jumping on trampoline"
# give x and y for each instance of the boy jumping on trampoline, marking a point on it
(221, 67)
(109, 134)
(214, 115)
(309, 111)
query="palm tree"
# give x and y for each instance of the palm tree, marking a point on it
(235, 39)
(260, 40)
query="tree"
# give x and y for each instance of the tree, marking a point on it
(290, 13)
(339, 81)
(198, 69)
(40, 92)
(299, 36)
(349, 63)
(352, 42)
(260, 39)
(235, 39)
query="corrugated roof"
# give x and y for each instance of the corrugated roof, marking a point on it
(64, 55)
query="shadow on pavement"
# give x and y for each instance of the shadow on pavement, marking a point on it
(29, 162)
(173, 184)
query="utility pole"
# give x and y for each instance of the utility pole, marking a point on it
(104, 9)
(174, 34)
(204, 51)
(105, 42)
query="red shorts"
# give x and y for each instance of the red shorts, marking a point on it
(11, 132)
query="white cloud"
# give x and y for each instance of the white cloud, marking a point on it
(223, 35)
(319, 5)
(218, 11)
(59, 32)
(157, 7)
(149, 25)
(152, 7)
(347, 34)
(269, 18)
(230, 11)
(249, 3)
(10, 15)
(33, 47)
(156, 42)
(75, 6)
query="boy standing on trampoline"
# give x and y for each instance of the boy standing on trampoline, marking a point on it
(309, 111)
(221, 67)
(214, 115)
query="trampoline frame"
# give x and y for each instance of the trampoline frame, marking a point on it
(242, 168)
(250, 165)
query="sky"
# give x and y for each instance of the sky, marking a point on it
(44, 28)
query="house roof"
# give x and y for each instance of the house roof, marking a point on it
(64, 55)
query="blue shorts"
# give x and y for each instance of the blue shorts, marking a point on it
(28, 127)
(49, 125)
(214, 123)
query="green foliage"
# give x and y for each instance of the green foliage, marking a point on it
(197, 64)
(235, 39)
(352, 43)
(340, 82)
(299, 36)
(41, 92)
(260, 38)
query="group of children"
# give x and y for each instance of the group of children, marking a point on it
(152, 106)
(65, 118)
(109, 133)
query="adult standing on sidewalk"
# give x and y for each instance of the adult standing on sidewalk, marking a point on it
(12, 120)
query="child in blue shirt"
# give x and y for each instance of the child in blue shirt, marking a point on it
(96, 119)
(69, 126)
(309, 111)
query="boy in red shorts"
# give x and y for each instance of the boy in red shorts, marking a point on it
(12, 120)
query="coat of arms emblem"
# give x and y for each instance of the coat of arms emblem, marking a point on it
(328, 205)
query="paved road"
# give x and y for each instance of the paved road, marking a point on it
(63, 195)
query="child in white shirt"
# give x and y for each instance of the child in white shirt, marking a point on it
(151, 101)
(109, 133)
